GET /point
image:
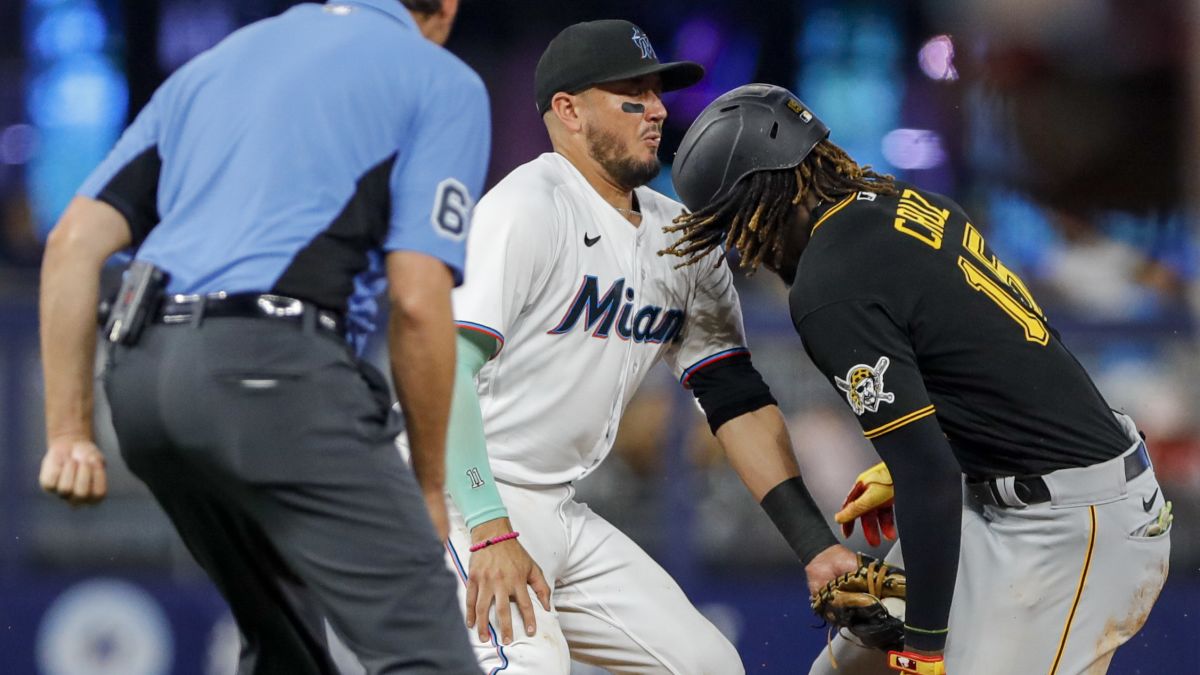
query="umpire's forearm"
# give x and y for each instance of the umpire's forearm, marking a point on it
(421, 339)
(67, 307)
(86, 235)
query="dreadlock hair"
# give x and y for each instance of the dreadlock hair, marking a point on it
(753, 217)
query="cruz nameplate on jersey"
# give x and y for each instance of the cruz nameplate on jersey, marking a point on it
(601, 314)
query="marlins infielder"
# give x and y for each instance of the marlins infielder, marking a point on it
(566, 308)
(951, 368)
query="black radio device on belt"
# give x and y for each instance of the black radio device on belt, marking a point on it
(141, 291)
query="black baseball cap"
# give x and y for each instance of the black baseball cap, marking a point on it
(594, 52)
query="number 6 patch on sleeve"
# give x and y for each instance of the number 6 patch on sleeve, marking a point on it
(451, 215)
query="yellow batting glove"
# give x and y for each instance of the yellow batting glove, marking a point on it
(870, 500)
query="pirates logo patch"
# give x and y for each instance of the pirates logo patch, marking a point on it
(863, 386)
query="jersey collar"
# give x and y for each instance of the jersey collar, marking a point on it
(601, 206)
(392, 8)
(824, 211)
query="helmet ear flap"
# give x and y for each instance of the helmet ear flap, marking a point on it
(756, 127)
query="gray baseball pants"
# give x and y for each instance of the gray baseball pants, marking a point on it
(270, 448)
(1049, 588)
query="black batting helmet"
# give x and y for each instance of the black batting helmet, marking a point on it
(755, 127)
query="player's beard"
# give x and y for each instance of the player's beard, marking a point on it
(606, 148)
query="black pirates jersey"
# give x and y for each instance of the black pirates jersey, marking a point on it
(902, 305)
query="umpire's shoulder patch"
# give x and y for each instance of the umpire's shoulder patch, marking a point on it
(452, 206)
(863, 386)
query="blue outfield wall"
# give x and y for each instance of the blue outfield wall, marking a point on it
(123, 626)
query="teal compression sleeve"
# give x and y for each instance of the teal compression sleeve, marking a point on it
(468, 475)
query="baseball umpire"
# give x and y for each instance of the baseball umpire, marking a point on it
(270, 193)
(1060, 545)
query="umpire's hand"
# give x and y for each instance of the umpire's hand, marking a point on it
(73, 469)
(499, 574)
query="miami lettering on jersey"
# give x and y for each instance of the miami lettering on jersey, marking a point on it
(651, 323)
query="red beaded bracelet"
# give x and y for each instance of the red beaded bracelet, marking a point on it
(494, 540)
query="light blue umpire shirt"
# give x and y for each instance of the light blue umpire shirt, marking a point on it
(291, 156)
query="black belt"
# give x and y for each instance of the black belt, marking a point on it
(1035, 491)
(177, 309)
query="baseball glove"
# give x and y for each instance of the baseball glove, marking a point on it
(868, 602)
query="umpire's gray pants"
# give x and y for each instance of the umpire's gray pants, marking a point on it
(270, 448)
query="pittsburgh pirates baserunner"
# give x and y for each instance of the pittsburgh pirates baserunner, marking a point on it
(567, 298)
(948, 362)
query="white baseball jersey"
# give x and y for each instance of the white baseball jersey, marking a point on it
(582, 306)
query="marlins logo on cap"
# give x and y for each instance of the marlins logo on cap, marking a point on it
(591, 53)
(643, 43)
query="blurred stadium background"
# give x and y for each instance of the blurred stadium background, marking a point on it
(1065, 127)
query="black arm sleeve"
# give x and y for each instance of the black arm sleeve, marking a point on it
(928, 484)
(729, 389)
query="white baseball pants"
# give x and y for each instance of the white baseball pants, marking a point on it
(611, 605)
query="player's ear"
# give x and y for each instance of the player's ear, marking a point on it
(565, 108)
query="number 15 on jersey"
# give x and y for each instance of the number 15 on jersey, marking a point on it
(918, 218)
(1002, 286)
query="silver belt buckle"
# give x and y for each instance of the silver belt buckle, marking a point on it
(280, 307)
(1006, 489)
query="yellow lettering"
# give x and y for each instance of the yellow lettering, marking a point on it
(919, 219)
(931, 237)
(975, 245)
(1010, 293)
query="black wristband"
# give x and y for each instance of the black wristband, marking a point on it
(798, 519)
